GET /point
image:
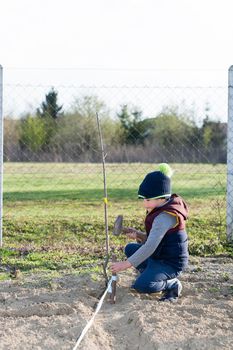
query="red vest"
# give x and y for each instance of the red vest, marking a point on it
(173, 248)
(176, 206)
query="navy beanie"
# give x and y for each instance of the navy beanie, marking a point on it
(156, 184)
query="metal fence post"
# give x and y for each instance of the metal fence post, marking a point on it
(230, 157)
(1, 154)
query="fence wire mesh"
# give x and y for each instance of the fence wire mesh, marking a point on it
(52, 156)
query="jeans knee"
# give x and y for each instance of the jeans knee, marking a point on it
(127, 250)
(130, 249)
(150, 287)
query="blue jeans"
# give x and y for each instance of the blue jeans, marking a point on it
(154, 274)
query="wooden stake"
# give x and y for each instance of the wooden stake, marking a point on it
(114, 275)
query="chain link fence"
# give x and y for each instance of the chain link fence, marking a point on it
(52, 156)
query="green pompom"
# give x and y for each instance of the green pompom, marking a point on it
(166, 169)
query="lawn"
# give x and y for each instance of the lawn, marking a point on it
(54, 212)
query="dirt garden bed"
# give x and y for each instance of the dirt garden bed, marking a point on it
(43, 314)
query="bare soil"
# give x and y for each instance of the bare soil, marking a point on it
(42, 314)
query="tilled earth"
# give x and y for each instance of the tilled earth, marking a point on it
(42, 314)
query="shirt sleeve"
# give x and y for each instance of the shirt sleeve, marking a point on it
(160, 226)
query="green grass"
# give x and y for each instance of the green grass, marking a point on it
(54, 213)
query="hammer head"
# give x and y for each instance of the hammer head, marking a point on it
(118, 225)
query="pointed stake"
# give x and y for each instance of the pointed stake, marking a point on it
(114, 275)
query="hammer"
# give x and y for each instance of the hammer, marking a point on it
(118, 225)
(118, 229)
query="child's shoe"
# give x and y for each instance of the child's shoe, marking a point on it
(173, 291)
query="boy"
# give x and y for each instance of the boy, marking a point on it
(162, 253)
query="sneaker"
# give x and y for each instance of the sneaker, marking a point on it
(172, 292)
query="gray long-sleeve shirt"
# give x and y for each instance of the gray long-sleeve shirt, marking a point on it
(160, 226)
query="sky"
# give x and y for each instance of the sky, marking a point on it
(116, 42)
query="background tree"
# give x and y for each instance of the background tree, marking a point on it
(50, 112)
(77, 135)
(134, 129)
(173, 134)
(33, 134)
(50, 108)
(11, 139)
(214, 138)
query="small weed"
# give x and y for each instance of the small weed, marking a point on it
(130, 320)
(4, 276)
(225, 276)
(197, 269)
(214, 289)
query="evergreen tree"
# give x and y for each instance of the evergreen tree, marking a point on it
(50, 108)
(134, 129)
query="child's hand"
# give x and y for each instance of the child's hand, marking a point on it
(130, 232)
(120, 266)
(132, 235)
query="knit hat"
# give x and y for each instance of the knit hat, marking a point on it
(156, 184)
